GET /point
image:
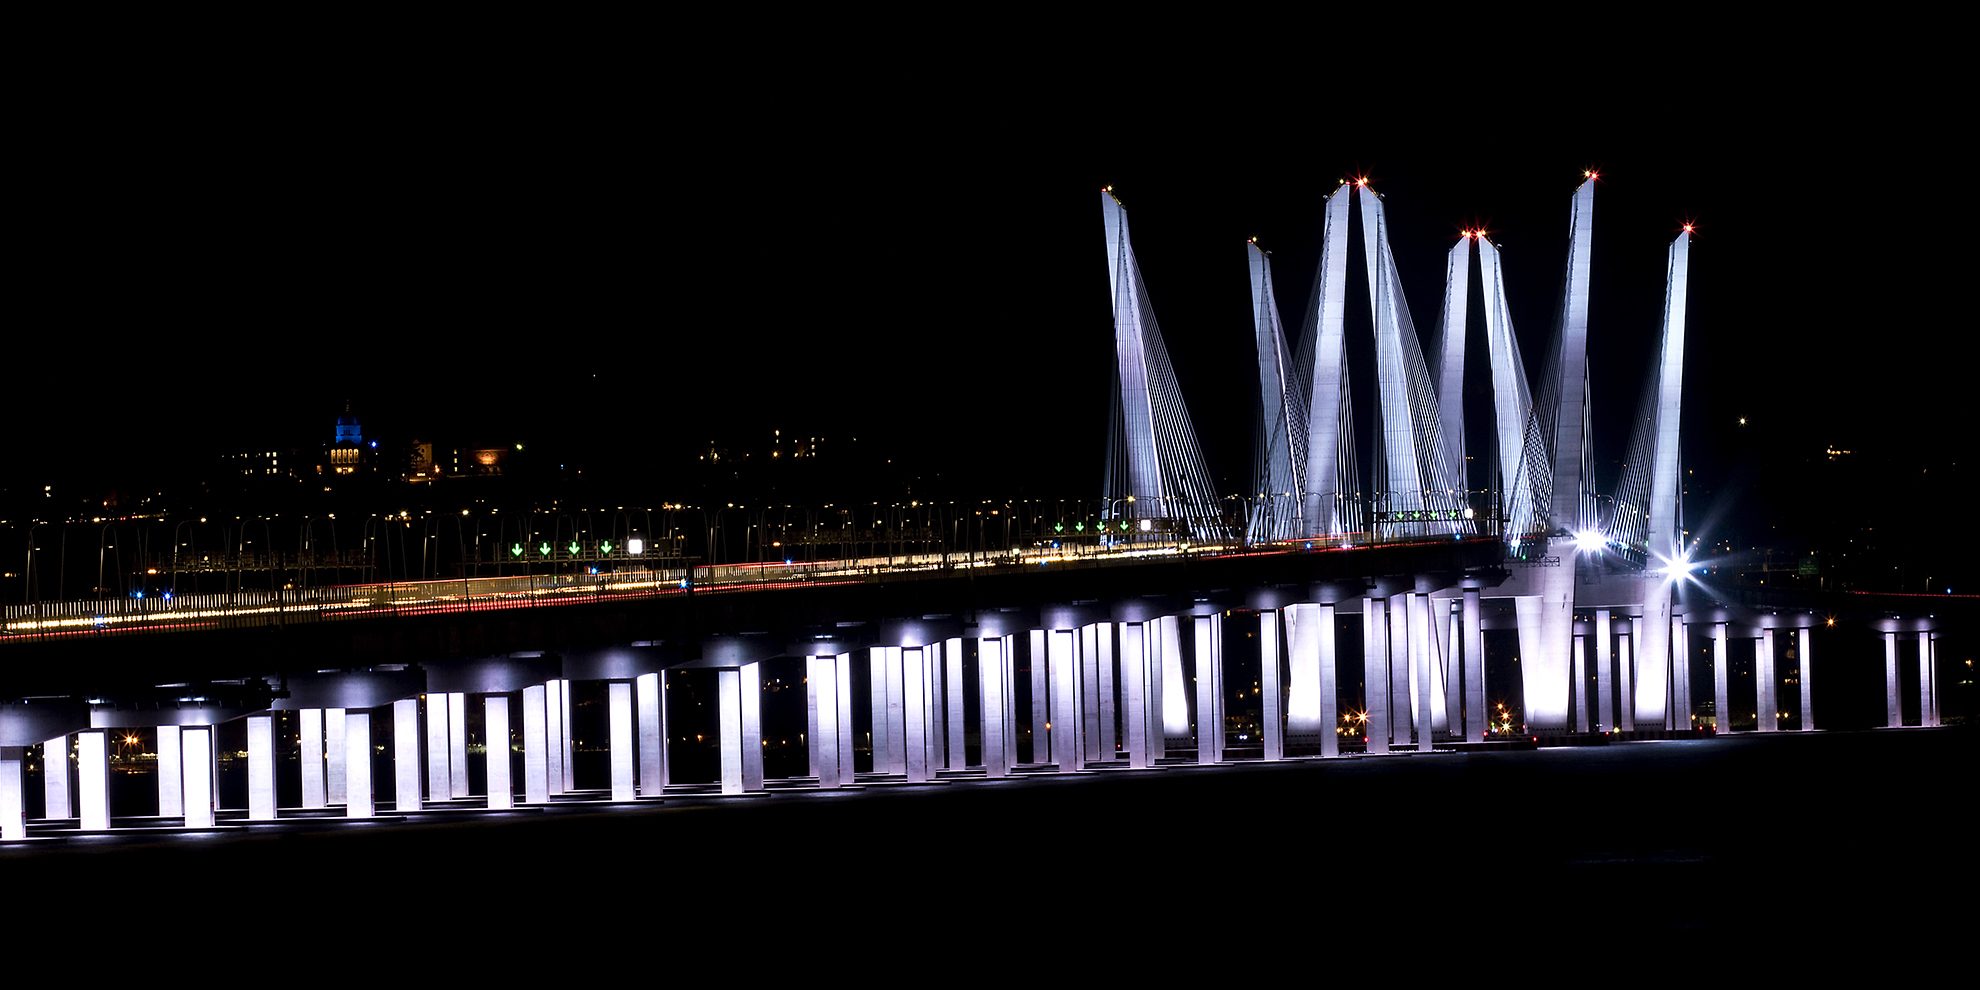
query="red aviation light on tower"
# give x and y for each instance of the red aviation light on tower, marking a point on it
(1591, 174)
(1361, 181)
(1688, 228)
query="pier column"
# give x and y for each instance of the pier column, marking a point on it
(992, 670)
(1110, 749)
(1089, 696)
(728, 706)
(1578, 695)
(1330, 689)
(1685, 717)
(1476, 719)
(1444, 618)
(1420, 673)
(1893, 715)
(620, 731)
(881, 741)
(821, 718)
(1375, 674)
(495, 745)
(1402, 701)
(333, 754)
(1271, 719)
(1629, 642)
(1040, 693)
(55, 790)
(439, 775)
(1605, 704)
(357, 765)
(650, 698)
(845, 698)
(553, 729)
(1209, 630)
(914, 713)
(1302, 684)
(957, 721)
(1134, 692)
(749, 687)
(13, 805)
(309, 726)
(1062, 664)
(536, 745)
(1171, 694)
(261, 768)
(1721, 708)
(405, 754)
(1928, 680)
(171, 779)
(1801, 637)
(92, 780)
(1767, 690)
(196, 747)
(457, 757)
(933, 707)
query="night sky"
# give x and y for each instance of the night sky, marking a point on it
(625, 261)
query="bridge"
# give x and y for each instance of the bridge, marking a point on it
(1409, 601)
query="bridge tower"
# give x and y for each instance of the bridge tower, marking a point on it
(1157, 483)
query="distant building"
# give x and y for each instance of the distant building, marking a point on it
(259, 463)
(347, 451)
(419, 462)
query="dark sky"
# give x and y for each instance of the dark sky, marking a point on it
(629, 258)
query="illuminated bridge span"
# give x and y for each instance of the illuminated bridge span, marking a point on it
(1351, 611)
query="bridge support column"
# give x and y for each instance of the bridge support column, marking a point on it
(1605, 705)
(261, 768)
(1685, 717)
(1271, 719)
(1448, 665)
(357, 765)
(536, 744)
(914, 711)
(1721, 706)
(92, 780)
(1089, 695)
(1106, 637)
(1802, 676)
(171, 779)
(620, 731)
(196, 746)
(1928, 680)
(1767, 688)
(405, 754)
(1578, 695)
(13, 806)
(1040, 693)
(1402, 701)
(1209, 630)
(439, 774)
(933, 706)
(315, 785)
(1626, 641)
(1893, 715)
(457, 756)
(1062, 664)
(55, 790)
(1302, 685)
(956, 720)
(334, 726)
(881, 742)
(993, 669)
(1322, 629)
(495, 740)
(749, 698)
(553, 728)
(1375, 674)
(1134, 692)
(821, 718)
(728, 706)
(845, 699)
(1476, 719)
(1171, 693)
(650, 699)
(1420, 671)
